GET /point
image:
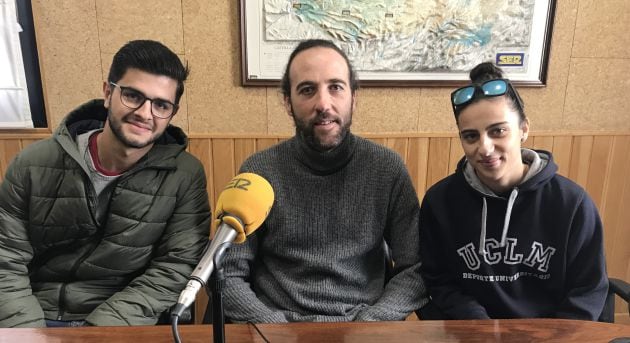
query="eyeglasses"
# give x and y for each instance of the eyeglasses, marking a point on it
(135, 99)
(491, 88)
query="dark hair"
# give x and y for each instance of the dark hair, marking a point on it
(488, 71)
(285, 84)
(151, 57)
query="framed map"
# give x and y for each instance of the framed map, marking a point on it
(402, 42)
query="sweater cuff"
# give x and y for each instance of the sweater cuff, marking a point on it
(373, 314)
(272, 317)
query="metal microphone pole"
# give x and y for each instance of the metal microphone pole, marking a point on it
(217, 281)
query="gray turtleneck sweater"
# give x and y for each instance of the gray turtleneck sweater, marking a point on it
(319, 255)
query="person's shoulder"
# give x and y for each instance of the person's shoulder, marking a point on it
(444, 185)
(567, 190)
(189, 163)
(43, 153)
(269, 155)
(377, 152)
(566, 185)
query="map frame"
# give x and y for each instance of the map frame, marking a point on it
(262, 62)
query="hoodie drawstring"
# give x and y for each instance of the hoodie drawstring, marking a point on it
(508, 214)
(506, 222)
(482, 238)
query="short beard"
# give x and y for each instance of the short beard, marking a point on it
(307, 132)
(116, 127)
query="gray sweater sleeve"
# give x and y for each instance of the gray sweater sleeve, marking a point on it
(241, 303)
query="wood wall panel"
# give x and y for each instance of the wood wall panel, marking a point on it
(243, 148)
(417, 162)
(10, 147)
(598, 162)
(562, 153)
(580, 159)
(600, 158)
(202, 148)
(439, 153)
(222, 164)
(543, 142)
(612, 206)
(455, 155)
(399, 145)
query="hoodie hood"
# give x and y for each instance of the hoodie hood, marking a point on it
(541, 170)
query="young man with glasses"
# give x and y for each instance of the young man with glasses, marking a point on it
(103, 223)
(506, 236)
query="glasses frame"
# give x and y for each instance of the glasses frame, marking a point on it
(151, 100)
(479, 93)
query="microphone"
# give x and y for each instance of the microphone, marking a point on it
(241, 208)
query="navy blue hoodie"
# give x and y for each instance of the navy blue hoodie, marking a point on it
(534, 252)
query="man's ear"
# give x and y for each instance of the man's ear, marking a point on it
(107, 92)
(287, 106)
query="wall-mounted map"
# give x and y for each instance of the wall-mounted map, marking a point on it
(403, 40)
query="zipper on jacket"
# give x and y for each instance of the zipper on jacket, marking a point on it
(62, 293)
(62, 302)
(90, 198)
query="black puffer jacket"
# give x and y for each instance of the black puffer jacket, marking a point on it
(57, 262)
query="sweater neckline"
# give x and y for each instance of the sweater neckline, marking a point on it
(327, 162)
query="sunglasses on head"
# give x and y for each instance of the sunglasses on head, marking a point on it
(490, 88)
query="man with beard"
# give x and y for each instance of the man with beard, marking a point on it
(319, 256)
(103, 223)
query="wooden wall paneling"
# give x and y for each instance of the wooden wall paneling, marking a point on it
(617, 219)
(417, 160)
(9, 148)
(201, 303)
(399, 145)
(264, 143)
(621, 250)
(598, 169)
(437, 168)
(614, 216)
(543, 142)
(222, 165)
(243, 148)
(3, 162)
(455, 154)
(561, 151)
(580, 159)
(12, 147)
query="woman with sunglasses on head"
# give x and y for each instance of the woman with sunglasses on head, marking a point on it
(505, 236)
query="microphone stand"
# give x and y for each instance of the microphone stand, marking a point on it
(217, 282)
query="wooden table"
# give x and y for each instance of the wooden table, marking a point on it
(512, 330)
